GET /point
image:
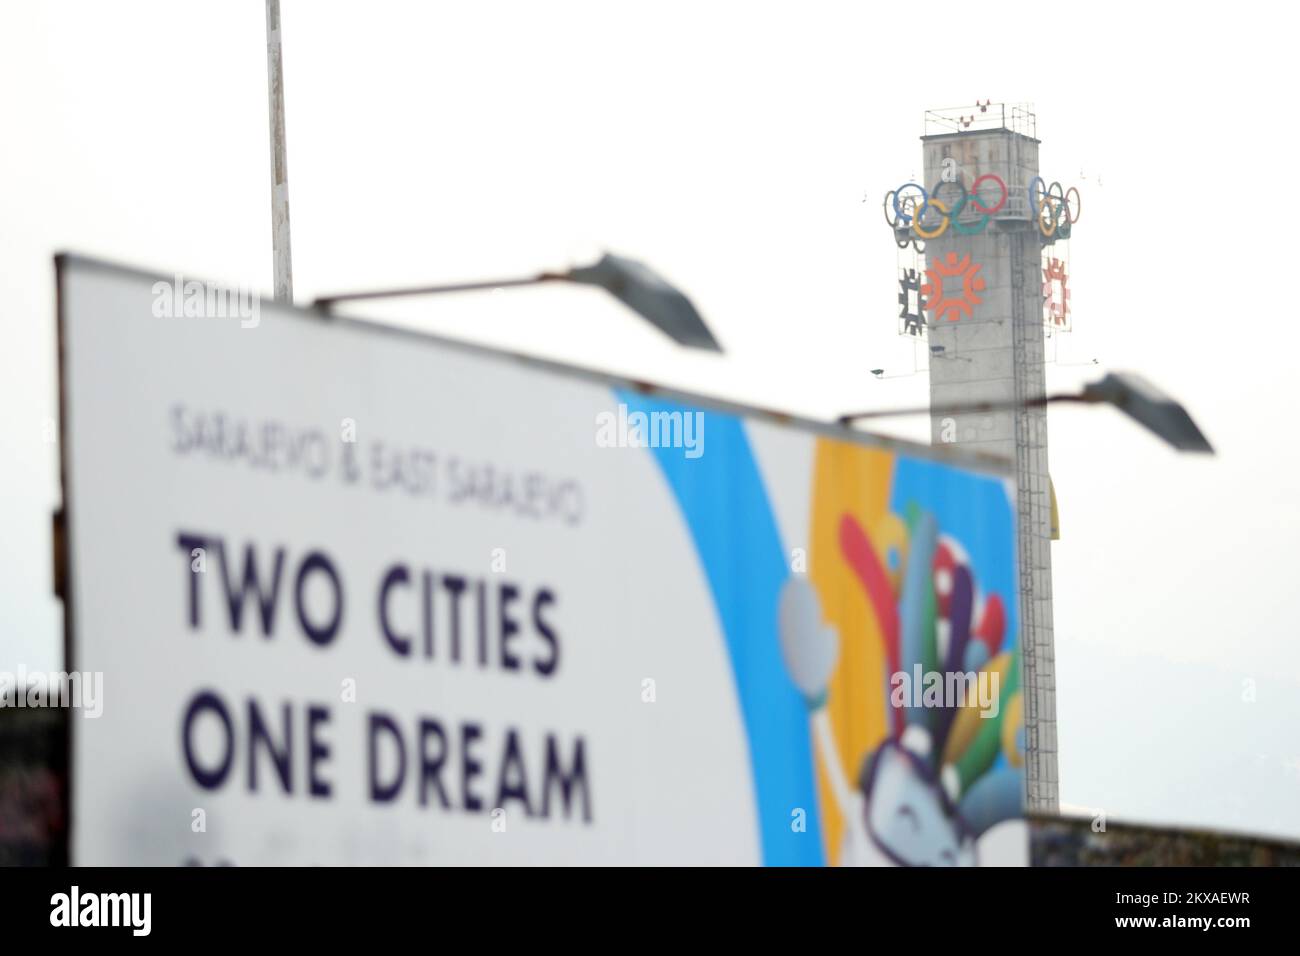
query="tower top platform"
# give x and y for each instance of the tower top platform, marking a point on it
(982, 117)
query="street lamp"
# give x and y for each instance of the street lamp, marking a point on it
(638, 287)
(1127, 391)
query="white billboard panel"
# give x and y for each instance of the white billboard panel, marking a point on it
(364, 596)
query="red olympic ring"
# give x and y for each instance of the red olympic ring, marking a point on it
(975, 189)
(1078, 205)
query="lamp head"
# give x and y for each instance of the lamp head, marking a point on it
(649, 295)
(1150, 407)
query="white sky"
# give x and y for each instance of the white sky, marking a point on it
(731, 146)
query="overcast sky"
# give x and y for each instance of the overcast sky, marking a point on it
(731, 146)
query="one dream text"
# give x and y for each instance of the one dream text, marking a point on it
(420, 615)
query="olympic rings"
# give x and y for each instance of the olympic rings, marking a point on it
(1054, 200)
(913, 208)
(917, 214)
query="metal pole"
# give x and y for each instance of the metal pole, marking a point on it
(327, 301)
(972, 408)
(283, 256)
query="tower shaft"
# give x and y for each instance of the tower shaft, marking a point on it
(990, 348)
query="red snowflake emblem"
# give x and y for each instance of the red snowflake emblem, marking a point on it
(1056, 295)
(943, 305)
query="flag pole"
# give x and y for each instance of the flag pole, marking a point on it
(280, 250)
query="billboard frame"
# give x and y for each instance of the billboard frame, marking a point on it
(62, 518)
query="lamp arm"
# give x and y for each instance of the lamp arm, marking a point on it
(974, 407)
(325, 302)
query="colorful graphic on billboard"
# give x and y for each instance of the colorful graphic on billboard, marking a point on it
(927, 590)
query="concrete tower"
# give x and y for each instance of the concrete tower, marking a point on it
(982, 296)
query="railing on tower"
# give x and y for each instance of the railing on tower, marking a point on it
(1016, 117)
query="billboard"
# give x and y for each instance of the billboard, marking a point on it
(359, 595)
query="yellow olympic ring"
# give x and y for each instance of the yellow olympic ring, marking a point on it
(1052, 222)
(943, 223)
